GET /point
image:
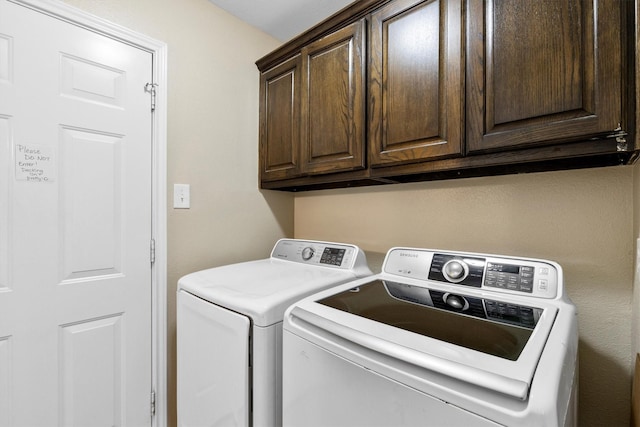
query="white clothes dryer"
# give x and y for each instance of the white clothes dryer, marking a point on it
(229, 329)
(438, 338)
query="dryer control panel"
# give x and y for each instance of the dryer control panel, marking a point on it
(523, 276)
(336, 255)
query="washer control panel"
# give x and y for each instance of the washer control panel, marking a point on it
(510, 276)
(336, 255)
(522, 276)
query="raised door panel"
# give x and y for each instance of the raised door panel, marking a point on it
(280, 121)
(333, 102)
(542, 72)
(415, 81)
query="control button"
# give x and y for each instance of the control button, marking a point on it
(307, 253)
(455, 271)
(544, 270)
(543, 284)
(526, 286)
(513, 286)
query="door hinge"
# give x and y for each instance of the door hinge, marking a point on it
(153, 403)
(151, 88)
(153, 250)
(619, 135)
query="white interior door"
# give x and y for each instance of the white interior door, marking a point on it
(75, 225)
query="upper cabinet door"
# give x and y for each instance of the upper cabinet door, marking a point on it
(415, 81)
(280, 121)
(333, 102)
(542, 72)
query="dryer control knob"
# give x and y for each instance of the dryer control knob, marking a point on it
(307, 253)
(455, 270)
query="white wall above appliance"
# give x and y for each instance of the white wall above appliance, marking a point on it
(283, 19)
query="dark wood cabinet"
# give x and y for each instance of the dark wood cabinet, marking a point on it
(280, 121)
(312, 109)
(333, 102)
(415, 81)
(389, 91)
(543, 72)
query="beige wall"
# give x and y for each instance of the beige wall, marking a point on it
(582, 219)
(212, 138)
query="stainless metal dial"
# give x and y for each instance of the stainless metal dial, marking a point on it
(455, 270)
(307, 253)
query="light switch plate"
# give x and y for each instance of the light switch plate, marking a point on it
(181, 196)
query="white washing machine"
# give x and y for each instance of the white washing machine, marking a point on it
(229, 330)
(437, 338)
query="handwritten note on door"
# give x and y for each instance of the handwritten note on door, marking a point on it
(35, 163)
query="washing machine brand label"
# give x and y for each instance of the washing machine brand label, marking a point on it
(409, 254)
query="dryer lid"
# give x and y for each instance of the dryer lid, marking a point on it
(262, 289)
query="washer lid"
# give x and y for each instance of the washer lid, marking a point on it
(497, 356)
(262, 289)
(481, 324)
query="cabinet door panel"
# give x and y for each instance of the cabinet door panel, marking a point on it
(542, 72)
(415, 81)
(333, 102)
(280, 121)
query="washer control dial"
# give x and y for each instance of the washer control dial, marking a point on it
(307, 253)
(455, 270)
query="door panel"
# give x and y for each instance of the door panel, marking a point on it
(542, 72)
(5, 381)
(91, 193)
(90, 352)
(280, 121)
(5, 158)
(213, 364)
(333, 103)
(91, 82)
(75, 222)
(415, 81)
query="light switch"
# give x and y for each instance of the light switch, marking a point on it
(181, 196)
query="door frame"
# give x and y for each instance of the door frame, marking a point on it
(158, 50)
